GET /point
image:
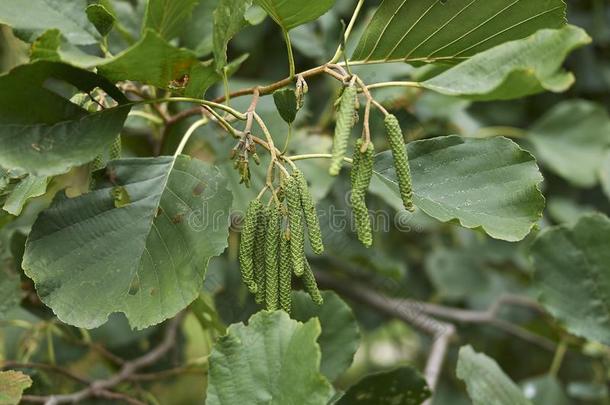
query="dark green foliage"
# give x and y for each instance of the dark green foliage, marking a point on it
(401, 160)
(343, 128)
(362, 172)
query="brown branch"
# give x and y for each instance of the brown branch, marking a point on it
(103, 388)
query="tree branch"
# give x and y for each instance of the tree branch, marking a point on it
(103, 388)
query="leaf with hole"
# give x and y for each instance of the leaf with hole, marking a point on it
(146, 258)
(402, 386)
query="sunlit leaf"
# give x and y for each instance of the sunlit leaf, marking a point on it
(168, 17)
(12, 385)
(514, 69)
(291, 14)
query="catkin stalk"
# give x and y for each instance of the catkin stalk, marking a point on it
(297, 237)
(343, 128)
(259, 253)
(401, 160)
(310, 214)
(362, 172)
(271, 259)
(246, 246)
(285, 282)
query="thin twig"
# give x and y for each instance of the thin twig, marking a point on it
(103, 388)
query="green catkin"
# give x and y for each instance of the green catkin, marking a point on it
(116, 149)
(311, 286)
(343, 128)
(259, 254)
(311, 215)
(271, 259)
(97, 163)
(362, 171)
(295, 221)
(285, 282)
(401, 160)
(246, 246)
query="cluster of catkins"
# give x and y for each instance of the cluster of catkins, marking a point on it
(272, 247)
(363, 159)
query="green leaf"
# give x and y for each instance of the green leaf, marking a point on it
(573, 275)
(12, 385)
(146, 258)
(486, 382)
(340, 336)
(451, 31)
(33, 17)
(101, 18)
(286, 103)
(291, 14)
(572, 139)
(545, 390)
(274, 361)
(228, 21)
(30, 187)
(52, 135)
(154, 61)
(168, 17)
(403, 386)
(198, 32)
(10, 292)
(514, 69)
(486, 183)
(52, 46)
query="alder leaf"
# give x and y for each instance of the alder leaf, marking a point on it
(286, 104)
(29, 187)
(340, 336)
(572, 273)
(32, 17)
(154, 61)
(53, 134)
(482, 183)
(146, 257)
(514, 69)
(402, 386)
(291, 14)
(228, 21)
(168, 17)
(572, 140)
(274, 360)
(430, 31)
(486, 382)
(101, 18)
(12, 385)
